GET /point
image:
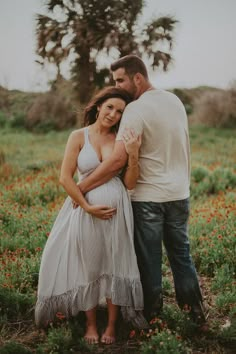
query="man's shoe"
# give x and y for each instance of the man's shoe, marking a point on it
(198, 315)
(155, 309)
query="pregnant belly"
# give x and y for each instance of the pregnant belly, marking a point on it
(109, 193)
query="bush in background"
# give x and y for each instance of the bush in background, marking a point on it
(17, 120)
(59, 109)
(216, 109)
(50, 111)
(13, 120)
(2, 157)
(4, 98)
(3, 120)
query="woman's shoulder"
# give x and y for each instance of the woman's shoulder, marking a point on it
(76, 137)
(77, 133)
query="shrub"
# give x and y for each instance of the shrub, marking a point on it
(204, 182)
(15, 305)
(228, 335)
(50, 111)
(13, 348)
(199, 173)
(221, 179)
(163, 343)
(4, 98)
(58, 341)
(216, 109)
(3, 120)
(226, 301)
(223, 278)
(178, 320)
(17, 120)
(2, 157)
(61, 341)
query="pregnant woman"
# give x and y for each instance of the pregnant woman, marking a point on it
(89, 255)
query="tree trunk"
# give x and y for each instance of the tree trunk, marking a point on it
(82, 77)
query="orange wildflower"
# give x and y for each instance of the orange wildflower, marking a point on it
(60, 316)
(132, 334)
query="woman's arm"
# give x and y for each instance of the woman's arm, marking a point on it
(132, 145)
(68, 168)
(109, 168)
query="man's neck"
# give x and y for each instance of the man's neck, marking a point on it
(145, 88)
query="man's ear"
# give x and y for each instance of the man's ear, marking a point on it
(138, 78)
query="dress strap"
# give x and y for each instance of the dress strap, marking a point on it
(86, 138)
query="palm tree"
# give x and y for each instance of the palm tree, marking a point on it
(86, 30)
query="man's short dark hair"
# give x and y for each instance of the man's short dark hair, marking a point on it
(132, 65)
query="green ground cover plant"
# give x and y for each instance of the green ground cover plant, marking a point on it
(30, 198)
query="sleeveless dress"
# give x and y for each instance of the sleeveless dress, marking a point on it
(87, 259)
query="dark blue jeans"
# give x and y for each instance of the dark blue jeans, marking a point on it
(167, 222)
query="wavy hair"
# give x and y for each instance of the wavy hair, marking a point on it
(108, 92)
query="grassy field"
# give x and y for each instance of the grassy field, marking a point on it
(30, 198)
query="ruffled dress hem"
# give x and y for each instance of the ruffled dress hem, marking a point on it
(123, 292)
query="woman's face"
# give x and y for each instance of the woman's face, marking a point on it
(110, 111)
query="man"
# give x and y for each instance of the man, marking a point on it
(160, 199)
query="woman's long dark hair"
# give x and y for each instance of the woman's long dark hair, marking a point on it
(90, 114)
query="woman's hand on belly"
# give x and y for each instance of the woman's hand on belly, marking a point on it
(103, 200)
(101, 211)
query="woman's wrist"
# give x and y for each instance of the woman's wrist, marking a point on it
(86, 206)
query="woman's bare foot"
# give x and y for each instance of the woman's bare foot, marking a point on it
(91, 335)
(108, 336)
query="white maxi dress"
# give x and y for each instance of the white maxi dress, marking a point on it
(87, 259)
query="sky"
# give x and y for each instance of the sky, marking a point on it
(204, 49)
